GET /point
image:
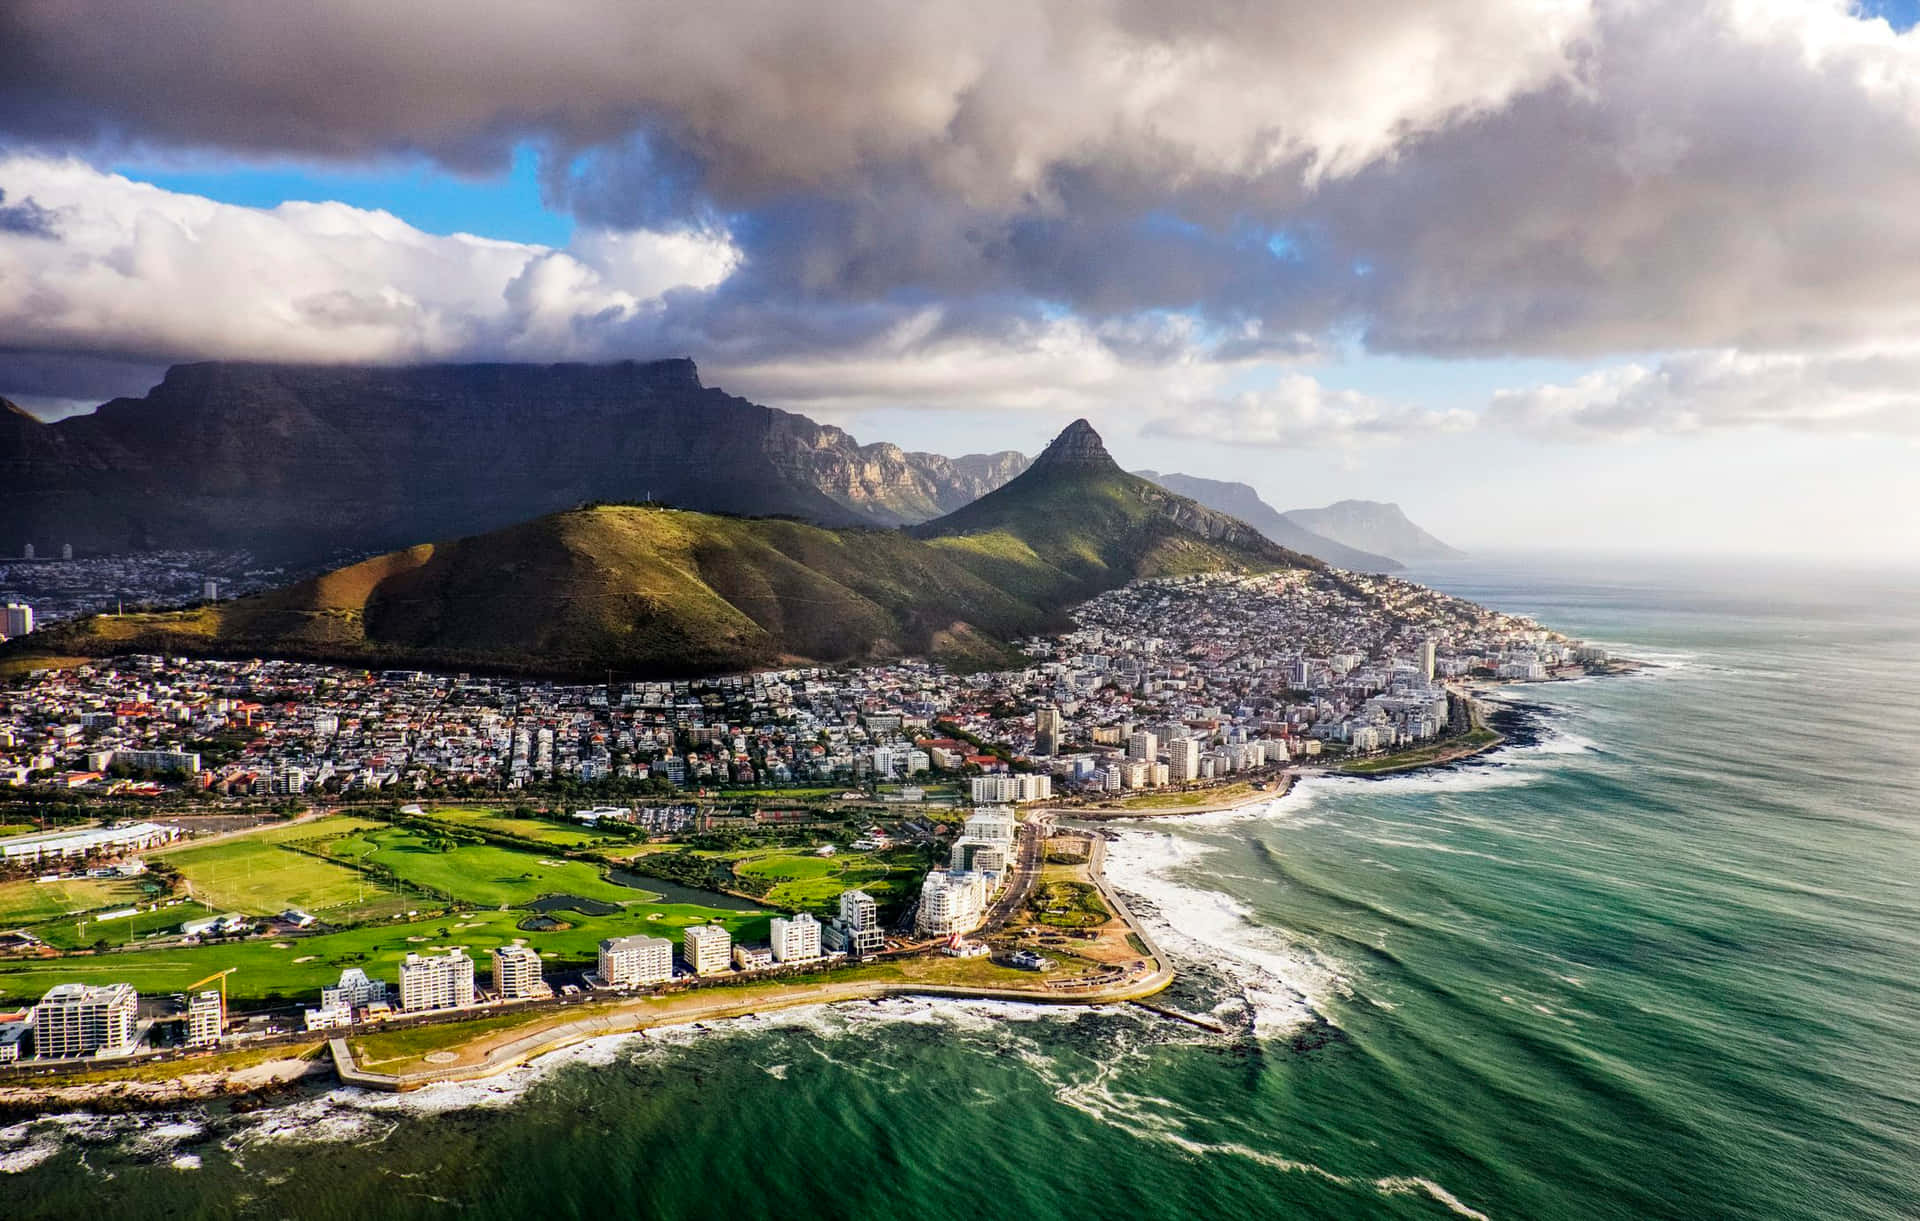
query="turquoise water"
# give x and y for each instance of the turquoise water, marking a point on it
(1659, 963)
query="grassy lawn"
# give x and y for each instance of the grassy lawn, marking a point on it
(1187, 801)
(307, 963)
(814, 883)
(256, 875)
(29, 902)
(390, 1046)
(481, 874)
(83, 932)
(1068, 905)
(539, 829)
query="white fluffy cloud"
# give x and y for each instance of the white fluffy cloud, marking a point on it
(1875, 392)
(120, 267)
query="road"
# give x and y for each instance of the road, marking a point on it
(1032, 835)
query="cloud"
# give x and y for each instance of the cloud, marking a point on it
(1300, 413)
(25, 219)
(835, 202)
(1874, 392)
(142, 272)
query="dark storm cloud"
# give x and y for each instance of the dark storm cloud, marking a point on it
(1142, 184)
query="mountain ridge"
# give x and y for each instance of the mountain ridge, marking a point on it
(650, 590)
(1242, 501)
(293, 459)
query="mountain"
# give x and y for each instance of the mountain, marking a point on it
(1241, 501)
(1073, 524)
(641, 589)
(1373, 526)
(299, 461)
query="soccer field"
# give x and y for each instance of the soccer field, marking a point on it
(261, 878)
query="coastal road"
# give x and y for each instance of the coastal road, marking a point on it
(1032, 855)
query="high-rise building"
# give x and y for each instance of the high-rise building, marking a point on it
(859, 923)
(708, 948)
(984, 855)
(436, 982)
(16, 619)
(82, 1020)
(627, 962)
(66, 551)
(1143, 747)
(991, 823)
(1426, 660)
(516, 973)
(206, 1018)
(1047, 724)
(952, 901)
(1183, 759)
(796, 939)
(28, 553)
(210, 590)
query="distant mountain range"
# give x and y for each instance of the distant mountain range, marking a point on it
(1243, 502)
(1360, 535)
(300, 461)
(1373, 526)
(643, 590)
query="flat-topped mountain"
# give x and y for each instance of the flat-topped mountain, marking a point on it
(1241, 501)
(1373, 526)
(300, 460)
(649, 590)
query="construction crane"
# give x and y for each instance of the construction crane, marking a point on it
(222, 977)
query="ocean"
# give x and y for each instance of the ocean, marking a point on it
(1658, 958)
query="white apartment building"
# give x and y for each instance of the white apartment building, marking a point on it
(952, 901)
(707, 948)
(516, 973)
(1032, 786)
(981, 855)
(16, 619)
(796, 939)
(84, 1020)
(995, 790)
(1143, 747)
(992, 823)
(206, 1019)
(627, 962)
(436, 982)
(859, 924)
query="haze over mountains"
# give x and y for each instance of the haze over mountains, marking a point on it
(299, 461)
(645, 590)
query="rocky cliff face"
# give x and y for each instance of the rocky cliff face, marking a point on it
(305, 460)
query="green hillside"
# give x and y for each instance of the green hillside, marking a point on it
(649, 590)
(1074, 524)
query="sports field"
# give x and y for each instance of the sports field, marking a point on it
(28, 901)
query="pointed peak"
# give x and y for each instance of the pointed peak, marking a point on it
(1077, 446)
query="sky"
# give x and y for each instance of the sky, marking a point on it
(1636, 275)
